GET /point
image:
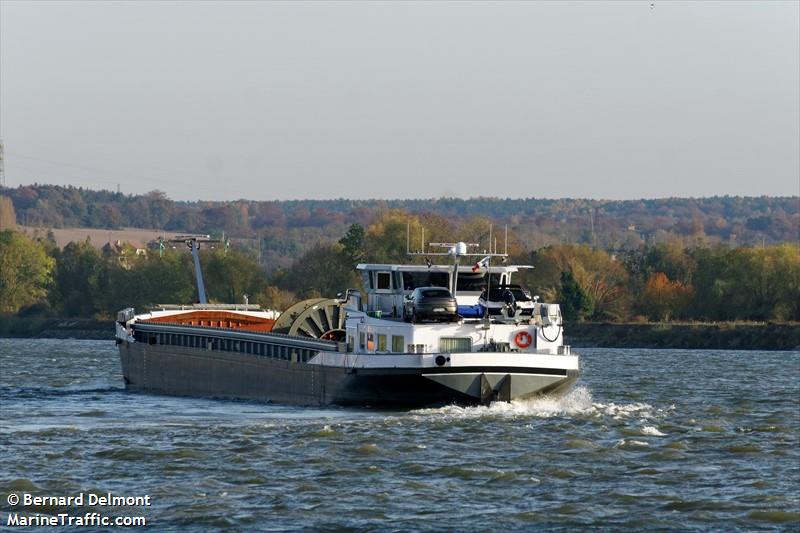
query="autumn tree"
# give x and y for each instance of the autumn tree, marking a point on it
(663, 298)
(275, 298)
(8, 218)
(600, 276)
(386, 239)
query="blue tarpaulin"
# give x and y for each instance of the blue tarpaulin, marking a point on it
(471, 311)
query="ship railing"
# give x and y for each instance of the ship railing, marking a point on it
(170, 327)
(214, 307)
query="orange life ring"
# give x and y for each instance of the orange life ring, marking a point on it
(523, 339)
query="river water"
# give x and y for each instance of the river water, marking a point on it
(660, 439)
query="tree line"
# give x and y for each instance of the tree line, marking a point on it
(659, 282)
(278, 228)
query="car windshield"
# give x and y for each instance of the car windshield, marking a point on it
(436, 293)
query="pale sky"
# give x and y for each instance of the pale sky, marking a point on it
(270, 100)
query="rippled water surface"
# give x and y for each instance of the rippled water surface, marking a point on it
(664, 439)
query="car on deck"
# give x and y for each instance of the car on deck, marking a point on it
(434, 304)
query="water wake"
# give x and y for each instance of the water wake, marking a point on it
(578, 400)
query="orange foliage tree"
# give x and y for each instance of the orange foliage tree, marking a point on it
(663, 298)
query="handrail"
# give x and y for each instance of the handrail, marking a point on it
(166, 327)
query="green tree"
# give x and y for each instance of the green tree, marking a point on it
(152, 281)
(353, 244)
(322, 271)
(229, 276)
(25, 271)
(79, 267)
(575, 303)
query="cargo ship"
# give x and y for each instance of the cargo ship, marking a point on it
(370, 348)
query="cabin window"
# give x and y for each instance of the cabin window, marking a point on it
(361, 341)
(455, 344)
(398, 341)
(383, 280)
(381, 342)
(412, 280)
(370, 342)
(350, 343)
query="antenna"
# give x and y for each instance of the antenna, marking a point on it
(457, 250)
(408, 237)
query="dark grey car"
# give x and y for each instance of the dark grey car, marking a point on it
(430, 304)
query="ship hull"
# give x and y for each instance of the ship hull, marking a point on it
(187, 371)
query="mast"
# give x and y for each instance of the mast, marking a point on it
(198, 272)
(193, 243)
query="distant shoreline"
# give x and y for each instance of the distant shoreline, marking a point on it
(712, 336)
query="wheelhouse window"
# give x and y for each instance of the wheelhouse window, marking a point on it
(383, 280)
(469, 282)
(381, 342)
(455, 344)
(412, 280)
(398, 343)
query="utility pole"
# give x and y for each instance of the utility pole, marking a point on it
(2, 166)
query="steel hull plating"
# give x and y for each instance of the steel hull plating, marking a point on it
(189, 371)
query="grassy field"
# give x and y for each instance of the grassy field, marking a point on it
(99, 237)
